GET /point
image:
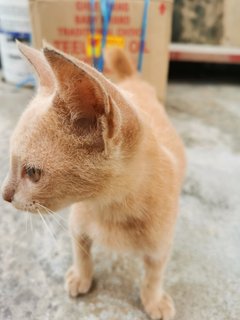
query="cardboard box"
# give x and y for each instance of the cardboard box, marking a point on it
(66, 25)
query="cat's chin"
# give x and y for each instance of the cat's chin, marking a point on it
(33, 207)
(30, 207)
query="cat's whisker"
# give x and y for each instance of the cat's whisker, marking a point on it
(30, 218)
(72, 237)
(50, 211)
(55, 218)
(60, 217)
(32, 224)
(26, 222)
(48, 228)
(54, 215)
(59, 223)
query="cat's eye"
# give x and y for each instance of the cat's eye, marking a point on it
(34, 174)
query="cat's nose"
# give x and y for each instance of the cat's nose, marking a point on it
(8, 194)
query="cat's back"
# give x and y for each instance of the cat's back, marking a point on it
(155, 118)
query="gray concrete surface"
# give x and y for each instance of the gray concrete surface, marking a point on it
(204, 273)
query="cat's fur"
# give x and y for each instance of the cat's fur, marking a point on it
(112, 154)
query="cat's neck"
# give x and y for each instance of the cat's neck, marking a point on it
(125, 190)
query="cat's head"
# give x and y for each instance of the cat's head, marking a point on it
(71, 140)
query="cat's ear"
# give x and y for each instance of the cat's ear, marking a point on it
(83, 95)
(82, 92)
(40, 65)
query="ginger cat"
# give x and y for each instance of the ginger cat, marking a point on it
(114, 155)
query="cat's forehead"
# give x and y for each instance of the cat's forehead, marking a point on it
(31, 131)
(34, 149)
(29, 124)
(32, 115)
(40, 104)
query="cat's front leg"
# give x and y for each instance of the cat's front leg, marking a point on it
(79, 276)
(157, 303)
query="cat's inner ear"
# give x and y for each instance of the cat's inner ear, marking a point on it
(40, 65)
(82, 94)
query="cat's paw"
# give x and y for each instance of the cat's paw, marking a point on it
(160, 309)
(75, 284)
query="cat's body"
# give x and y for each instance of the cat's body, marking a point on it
(115, 155)
(133, 215)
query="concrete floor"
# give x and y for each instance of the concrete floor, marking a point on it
(204, 272)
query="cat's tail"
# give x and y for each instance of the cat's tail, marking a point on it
(119, 63)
